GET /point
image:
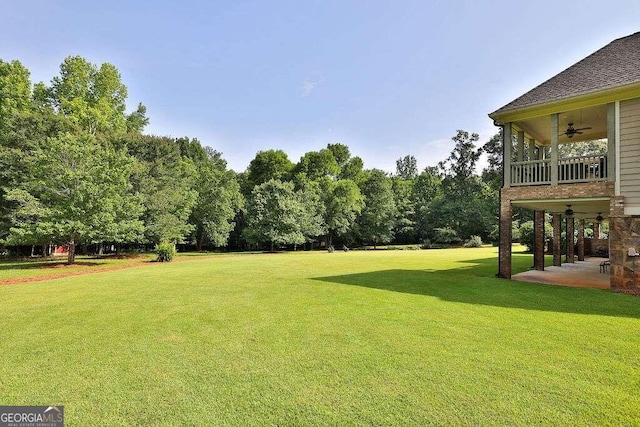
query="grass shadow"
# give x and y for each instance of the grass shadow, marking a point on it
(37, 265)
(474, 282)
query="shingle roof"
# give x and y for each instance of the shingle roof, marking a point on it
(616, 64)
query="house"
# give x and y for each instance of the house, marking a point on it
(596, 98)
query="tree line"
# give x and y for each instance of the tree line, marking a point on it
(76, 168)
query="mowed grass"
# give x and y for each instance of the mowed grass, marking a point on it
(357, 338)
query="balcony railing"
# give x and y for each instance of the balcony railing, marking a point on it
(570, 170)
(532, 172)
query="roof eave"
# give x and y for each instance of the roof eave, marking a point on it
(618, 93)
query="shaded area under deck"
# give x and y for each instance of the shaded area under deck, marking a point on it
(584, 274)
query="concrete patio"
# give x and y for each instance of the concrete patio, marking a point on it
(585, 274)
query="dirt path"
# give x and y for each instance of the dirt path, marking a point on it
(98, 269)
(70, 273)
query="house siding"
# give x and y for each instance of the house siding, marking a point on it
(630, 152)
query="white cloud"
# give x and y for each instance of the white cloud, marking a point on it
(309, 85)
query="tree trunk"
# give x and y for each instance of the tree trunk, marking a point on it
(44, 251)
(118, 248)
(271, 246)
(71, 255)
(33, 251)
(101, 249)
(199, 240)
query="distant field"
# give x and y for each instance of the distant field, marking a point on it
(360, 337)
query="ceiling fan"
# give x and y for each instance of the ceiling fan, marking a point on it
(569, 211)
(572, 131)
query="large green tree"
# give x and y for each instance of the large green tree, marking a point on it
(76, 189)
(273, 214)
(375, 223)
(343, 201)
(468, 203)
(218, 201)
(166, 181)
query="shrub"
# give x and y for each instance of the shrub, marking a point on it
(527, 233)
(165, 251)
(473, 242)
(426, 244)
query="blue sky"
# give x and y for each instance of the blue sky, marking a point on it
(386, 78)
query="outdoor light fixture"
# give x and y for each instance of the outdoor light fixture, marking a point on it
(569, 211)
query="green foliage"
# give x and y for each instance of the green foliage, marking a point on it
(218, 200)
(76, 189)
(269, 165)
(404, 227)
(583, 148)
(492, 173)
(473, 242)
(407, 167)
(527, 234)
(165, 251)
(273, 214)
(461, 163)
(166, 181)
(312, 218)
(92, 98)
(446, 235)
(343, 201)
(377, 219)
(318, 164)
(427, 192)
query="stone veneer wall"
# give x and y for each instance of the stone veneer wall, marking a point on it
(624, 233)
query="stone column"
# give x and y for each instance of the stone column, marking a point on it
(504, 249)
(581, 240)
(570, 242)
(624, 233)
(557, 231)
(538, 240)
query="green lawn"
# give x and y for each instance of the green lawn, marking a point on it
(364, 337)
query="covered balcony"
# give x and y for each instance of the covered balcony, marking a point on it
(544, 150)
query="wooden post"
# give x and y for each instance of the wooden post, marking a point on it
(532, 149)
(506, 156)
(520, 146)
(554, 149)
(611, 142)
